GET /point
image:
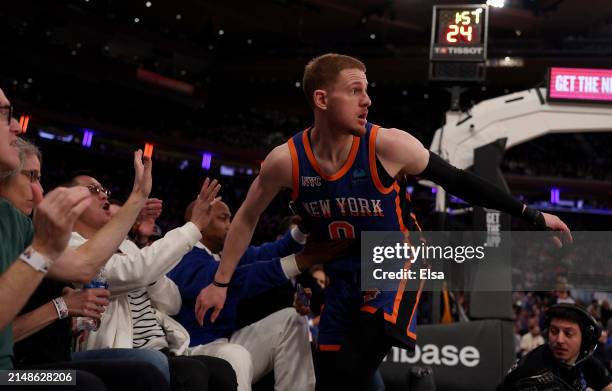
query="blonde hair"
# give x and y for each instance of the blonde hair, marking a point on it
(322, 71)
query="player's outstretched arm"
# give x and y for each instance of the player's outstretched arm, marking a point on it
(400, 153)
(275, 174)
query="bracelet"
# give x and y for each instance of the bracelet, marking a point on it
(60, 307)
(534, 217)
(35, 259)
(220, 284)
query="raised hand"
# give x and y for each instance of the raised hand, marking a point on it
(151, 211)
(143, 180)
(203, 204)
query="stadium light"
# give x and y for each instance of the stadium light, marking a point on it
(496, 3)
(148, 150)
(206, 160)
(24, 120)
(87, 138)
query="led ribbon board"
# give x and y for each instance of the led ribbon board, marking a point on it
(580, 85)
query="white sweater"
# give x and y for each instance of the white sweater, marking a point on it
(136, 268)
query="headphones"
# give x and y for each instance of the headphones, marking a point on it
(591, 331)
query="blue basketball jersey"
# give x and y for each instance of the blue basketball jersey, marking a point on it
(340, 206)
(350, 201)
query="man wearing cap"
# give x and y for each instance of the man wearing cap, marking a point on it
(566, 361)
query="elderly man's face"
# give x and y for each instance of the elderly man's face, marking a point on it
(9, 154)
(24, 190)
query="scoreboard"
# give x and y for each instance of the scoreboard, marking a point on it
(459, 33)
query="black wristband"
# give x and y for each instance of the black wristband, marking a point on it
(535, 218)
(220, 284)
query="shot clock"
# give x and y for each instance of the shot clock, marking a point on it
(459, 33)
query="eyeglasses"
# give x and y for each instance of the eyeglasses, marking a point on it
(96, 189)
(7, 111)
(32, 175)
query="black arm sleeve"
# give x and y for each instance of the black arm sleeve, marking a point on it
(470, 187)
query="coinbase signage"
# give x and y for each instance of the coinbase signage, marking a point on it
(463, 356)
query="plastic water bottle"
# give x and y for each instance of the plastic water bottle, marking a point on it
(84, 323)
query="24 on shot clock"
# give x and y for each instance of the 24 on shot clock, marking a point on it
(459, 33)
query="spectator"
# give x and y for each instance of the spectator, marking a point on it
(42, 331)
(319, 275)
(21, 186)
(562, 291)
(137, 315)
(47, 239)
(278, 341)
(532, 339)
(566, 361)
(594, 309)
(603, 352)
(517, 339)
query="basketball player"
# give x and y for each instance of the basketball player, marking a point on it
(342, 172)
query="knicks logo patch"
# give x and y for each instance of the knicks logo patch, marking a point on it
(359, 175)
(311, 181)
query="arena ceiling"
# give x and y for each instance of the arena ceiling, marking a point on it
(190, 39)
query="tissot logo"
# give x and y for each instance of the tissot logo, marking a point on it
(311, 181)
(463, 50)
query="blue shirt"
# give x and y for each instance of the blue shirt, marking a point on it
(259, 270)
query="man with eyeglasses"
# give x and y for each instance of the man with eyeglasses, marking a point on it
(43, 240)
(21, 186)
(40, 242)
(141, 296)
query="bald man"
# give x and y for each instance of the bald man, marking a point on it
(278, 341)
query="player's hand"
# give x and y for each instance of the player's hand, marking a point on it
(210, 298)
(318, 250)
(562, 233)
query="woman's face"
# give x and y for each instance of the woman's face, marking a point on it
(24, 190)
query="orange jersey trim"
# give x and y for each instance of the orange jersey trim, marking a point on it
(313, 161)
(295, 165)
(372, 159)
(398, 208)
(392, 317)
(416, 304)
(369, 309)
(330, 348)
(416, 222)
